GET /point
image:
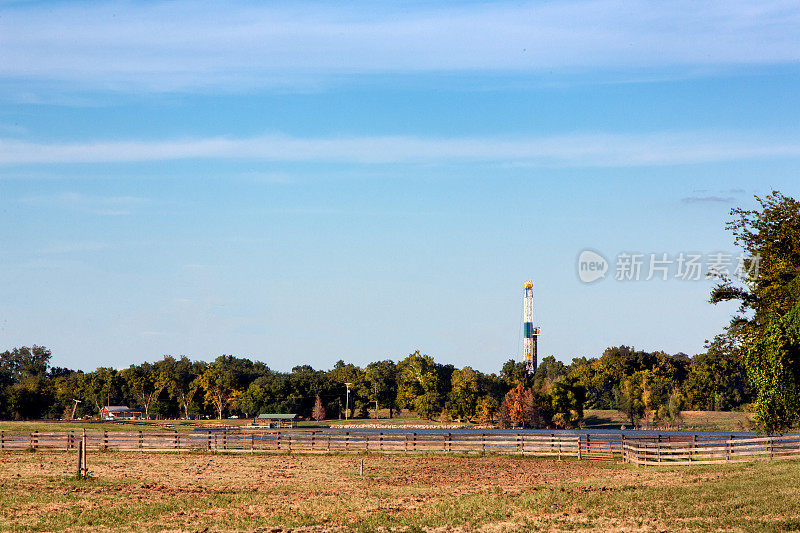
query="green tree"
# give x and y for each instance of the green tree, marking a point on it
(67, 389)
(568, 396)
(515, 373)
(465, 392)
(768, 294)
(145, 382)
(181, 378)
(487, 410)
(547, 372)
(27, 392)
(770, 239)
(717, 379)
(304, 384)
(418, 386)
(98, 386)
(23, 362)
(224, 380)
(628, 397)
(30, 397)
(343, 373)
(773, 364)
(381, 381)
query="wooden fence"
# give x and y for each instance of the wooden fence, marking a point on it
(299, 441)
(710, 451)
(641, 450)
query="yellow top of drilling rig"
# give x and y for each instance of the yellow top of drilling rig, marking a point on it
(528, 284)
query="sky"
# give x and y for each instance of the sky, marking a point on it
(299, 183)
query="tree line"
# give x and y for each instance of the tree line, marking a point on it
(652, 385)
(753, 364)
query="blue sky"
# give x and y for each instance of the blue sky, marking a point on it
(318, 181)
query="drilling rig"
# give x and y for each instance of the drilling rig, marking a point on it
(531, 333)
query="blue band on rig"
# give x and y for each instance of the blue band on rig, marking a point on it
(528, 330)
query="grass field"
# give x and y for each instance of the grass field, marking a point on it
(161, 492)
(690, 420)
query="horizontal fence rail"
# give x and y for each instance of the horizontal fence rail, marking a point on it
(693, 451)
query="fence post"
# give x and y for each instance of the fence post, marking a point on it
(105, 439)
(483, 443)
(2, 440)
(83, 470)
(83, 455)
(771, 448)
(225, 440)
(80, 459)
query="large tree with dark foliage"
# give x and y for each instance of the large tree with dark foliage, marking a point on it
(768, 294)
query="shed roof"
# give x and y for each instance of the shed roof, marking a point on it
(119, 409)
(277, 416)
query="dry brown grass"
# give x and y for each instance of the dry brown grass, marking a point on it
(146, 491)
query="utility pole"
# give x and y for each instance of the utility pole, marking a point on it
(74, 407)
(347, 401)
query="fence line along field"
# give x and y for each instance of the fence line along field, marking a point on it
(133, 491)
(639, 449)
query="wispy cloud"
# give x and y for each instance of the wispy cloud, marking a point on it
(192, 45)
(97, 205)
(577, 150)
(707, 199)
(59, 248)
(704, 196)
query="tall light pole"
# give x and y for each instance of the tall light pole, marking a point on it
(347, 401)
